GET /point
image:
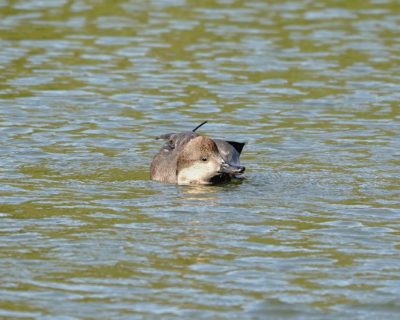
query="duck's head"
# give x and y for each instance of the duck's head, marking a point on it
(200, 162)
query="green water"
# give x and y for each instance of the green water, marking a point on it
(313, 88)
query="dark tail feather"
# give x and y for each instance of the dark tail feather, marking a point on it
(237, 145)
(199, 126)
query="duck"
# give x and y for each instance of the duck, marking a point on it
(188, 158)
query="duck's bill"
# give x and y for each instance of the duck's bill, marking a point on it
(231, 169)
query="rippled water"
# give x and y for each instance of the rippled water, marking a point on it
(313, 88)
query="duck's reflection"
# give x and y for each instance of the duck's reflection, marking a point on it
(200, 192)
(207, 192)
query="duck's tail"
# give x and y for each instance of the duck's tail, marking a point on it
(199, 125)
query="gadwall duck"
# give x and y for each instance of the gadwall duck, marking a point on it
(189, 158)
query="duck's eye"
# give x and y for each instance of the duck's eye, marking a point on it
(204, 159)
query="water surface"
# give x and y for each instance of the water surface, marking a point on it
(313, 88)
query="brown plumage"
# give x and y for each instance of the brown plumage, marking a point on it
(188, 158)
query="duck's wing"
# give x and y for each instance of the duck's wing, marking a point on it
(230, 150)
(175, 141)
